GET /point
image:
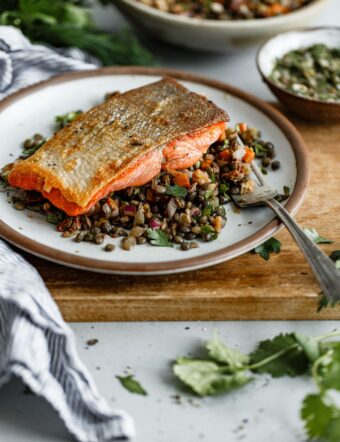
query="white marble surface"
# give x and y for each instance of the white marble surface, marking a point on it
(263, 411)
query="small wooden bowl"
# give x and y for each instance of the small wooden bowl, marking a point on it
(276, 47)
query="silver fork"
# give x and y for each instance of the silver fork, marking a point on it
(322, 266)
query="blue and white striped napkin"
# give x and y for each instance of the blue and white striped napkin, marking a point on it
(35, 343)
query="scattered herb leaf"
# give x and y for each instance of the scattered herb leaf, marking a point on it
(272, 245)
(208, 211)
(132, 385)
(26, 153)
(280, 356)
(286, 190)
(159, 238)
(207, 377)
(335, 256)
(316, 414)
(264, 171)
(222, 354)
(177, 191)
(65, 119)
(54, 217)
(316, 238)
(224, 189)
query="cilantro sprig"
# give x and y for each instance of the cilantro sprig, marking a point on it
(224, 369)
(159, 238)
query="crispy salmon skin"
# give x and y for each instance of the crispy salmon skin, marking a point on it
(123, 142)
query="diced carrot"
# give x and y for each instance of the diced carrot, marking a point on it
(276, 9)
(243, 127)
(206, 163)
(249, 155)
(182, 179)
(225, 155)
(150, 195)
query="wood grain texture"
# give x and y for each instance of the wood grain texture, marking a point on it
(244, 288)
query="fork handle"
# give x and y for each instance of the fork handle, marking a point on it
(322, 266)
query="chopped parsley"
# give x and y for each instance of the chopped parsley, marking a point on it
(177, 191)
(272, 245)
(159, 238)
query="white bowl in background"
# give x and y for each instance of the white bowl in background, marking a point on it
(214, 35)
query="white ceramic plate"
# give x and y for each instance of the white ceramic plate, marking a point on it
(33, 110)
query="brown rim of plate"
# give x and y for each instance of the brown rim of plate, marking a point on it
(294, 202)
(266, 78)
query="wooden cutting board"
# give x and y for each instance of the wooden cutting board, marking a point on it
(245, 288)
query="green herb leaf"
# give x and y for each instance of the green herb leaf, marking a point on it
(132, 385)
(206, 229)
(260, 151)
(309, 345)
(316, 238)
(272, 245)
(159, 238)
(208, 211)
(26, 153)
(264, 171)
(335, 256)
(317, 415)
(224, 189)
(286, 190)
(178, 191)
(206, 377)
(220, 353)
(280, 356)
(54, 217)
(329, 368)
(324, 302)
(65, 119)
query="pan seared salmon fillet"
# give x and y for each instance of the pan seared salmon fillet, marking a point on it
(124, 142)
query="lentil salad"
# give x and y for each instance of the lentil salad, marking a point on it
(227, 9)
(312, 72)
(175, 208)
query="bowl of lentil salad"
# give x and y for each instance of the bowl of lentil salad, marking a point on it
(302, 69)
(214, 27)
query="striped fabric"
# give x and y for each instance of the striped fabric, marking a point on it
(35, 343)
